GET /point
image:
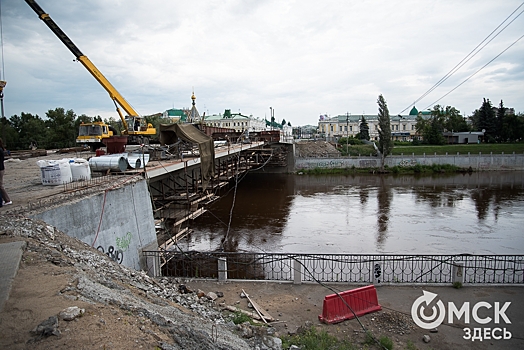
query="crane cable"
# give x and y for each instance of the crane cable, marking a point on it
(469, 56)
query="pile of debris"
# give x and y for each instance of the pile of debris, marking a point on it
(315, 149)
(188, 319)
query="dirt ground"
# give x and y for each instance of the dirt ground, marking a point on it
(40, 290)
(298, 306)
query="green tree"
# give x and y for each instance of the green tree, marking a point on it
(30, 129)
(385, 143)
(442, 119)
(453, 120)
(283, 122)
(501, 116)
(364, 129)
(485, 119)
(8, 134)
(512, 128)
(422, 125)
(433, 134)
(62, 128)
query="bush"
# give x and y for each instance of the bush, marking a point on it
(386, 343)
(457, 285)
(311, 339)
(351, 141)
(239, 318)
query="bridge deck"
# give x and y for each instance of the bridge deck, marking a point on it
(156, 168)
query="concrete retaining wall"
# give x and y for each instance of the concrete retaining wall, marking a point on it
(127, 225)
(475, 161)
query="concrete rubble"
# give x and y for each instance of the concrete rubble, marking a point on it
(98, 279)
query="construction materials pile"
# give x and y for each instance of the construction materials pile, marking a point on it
(315, 149)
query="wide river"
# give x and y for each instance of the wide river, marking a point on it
(478, 213)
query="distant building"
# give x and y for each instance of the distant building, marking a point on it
(236, 121)
(185, 115)
(463, 137)
(403, 127)
(175, 115)
(304, 132)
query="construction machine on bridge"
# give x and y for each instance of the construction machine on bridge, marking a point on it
(94, 134)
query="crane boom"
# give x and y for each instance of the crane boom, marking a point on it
(113, 93)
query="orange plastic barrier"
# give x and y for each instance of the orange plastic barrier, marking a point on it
(361, 300)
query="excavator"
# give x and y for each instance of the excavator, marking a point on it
(93, 134)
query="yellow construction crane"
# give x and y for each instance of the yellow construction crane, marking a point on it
(135, 126)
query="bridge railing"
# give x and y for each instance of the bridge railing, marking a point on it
(342, 268)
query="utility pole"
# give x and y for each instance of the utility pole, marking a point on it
(347, 132)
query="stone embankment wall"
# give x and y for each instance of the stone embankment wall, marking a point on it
(475, 161)
(118, 222)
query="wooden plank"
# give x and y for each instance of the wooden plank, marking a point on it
(170, 242)
(190, 216)
(248, 313)
(263, 314)
(202, 198)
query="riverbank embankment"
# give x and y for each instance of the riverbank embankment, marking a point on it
(475, 162)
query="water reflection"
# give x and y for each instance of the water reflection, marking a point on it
(384, 197)
(477, 213)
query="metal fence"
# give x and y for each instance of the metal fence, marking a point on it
(343, 268)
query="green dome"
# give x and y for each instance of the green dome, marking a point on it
(413, 111)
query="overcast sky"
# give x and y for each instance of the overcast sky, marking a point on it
(303, 58)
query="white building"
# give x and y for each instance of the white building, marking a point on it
(403, 127)
(236, 121)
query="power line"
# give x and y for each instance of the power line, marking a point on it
(484, 66)
(469, 56)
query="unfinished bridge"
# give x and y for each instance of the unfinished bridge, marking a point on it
(182, 187)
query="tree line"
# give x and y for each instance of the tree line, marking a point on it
(58, 129)
(500, 124)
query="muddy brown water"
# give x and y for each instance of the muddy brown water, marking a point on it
(478, 213)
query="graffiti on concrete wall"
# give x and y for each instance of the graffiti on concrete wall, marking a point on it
(124, 242)
(367, 163)
(122, 245)
(408, 162)
(330, 164)
(113, 254)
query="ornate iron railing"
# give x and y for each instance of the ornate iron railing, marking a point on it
(343, 268)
